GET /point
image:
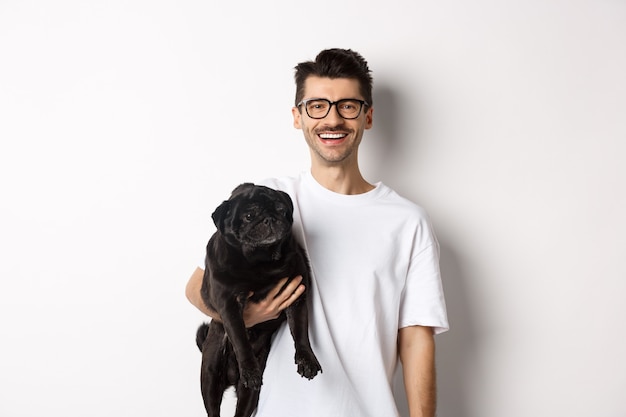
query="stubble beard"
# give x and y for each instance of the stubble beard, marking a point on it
(332, 156)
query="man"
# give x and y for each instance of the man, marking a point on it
(376, 291)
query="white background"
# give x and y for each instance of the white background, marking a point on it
(124, 123)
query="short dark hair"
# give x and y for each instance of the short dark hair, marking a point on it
(335, 63)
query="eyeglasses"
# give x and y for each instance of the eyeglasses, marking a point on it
(318, 108)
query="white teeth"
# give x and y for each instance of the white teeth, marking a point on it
(331, 135)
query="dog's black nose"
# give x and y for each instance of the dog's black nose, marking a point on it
(268, 220)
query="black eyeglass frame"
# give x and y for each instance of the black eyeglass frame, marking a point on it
(330, 106)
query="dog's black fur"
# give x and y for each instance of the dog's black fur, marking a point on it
(252, 249)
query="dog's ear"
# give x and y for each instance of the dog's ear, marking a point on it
(242, 188)
(220, 215)
(287, 200)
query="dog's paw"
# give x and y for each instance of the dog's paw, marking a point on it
(308, 366)
(251, 378)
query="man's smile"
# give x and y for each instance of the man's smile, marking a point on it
(332, 136)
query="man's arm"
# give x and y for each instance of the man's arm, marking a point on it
(192, 291)
(416, 347)
(254, 313)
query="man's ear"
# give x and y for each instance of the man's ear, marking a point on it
(220, 215)
(369, 118)
(297, 116)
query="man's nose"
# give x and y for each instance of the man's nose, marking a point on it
(333, 115)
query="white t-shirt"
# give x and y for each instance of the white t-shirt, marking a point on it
(375, 264)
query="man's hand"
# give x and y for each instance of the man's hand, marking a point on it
(276, 301)
(254, 313)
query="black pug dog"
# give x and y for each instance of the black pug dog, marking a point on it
(252, 249)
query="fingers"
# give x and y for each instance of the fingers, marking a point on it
(285, 295)
(293, 296)
(289, 288)
(277, 289)
(279, 298)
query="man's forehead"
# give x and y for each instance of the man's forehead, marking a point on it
(331, 88)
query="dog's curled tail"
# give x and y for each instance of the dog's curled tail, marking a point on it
(201, 335)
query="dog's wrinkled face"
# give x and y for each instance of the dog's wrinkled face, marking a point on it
(255, 216)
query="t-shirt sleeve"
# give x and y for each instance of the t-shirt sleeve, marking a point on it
(423, 302)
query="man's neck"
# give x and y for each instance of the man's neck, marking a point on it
(341, 180)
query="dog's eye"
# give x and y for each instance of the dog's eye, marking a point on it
(247, 217)
(281, 210)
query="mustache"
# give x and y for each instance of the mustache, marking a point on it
(327, 129)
